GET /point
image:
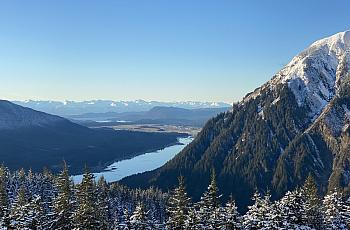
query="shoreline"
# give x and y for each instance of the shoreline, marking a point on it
(102, 168)
(111, 170)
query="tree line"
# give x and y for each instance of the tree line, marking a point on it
(45, 201)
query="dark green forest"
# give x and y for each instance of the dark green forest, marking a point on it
(263, 143)
(47, 201)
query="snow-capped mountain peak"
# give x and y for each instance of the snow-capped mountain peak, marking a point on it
(102, 106)
(314, 75)
(336, 43)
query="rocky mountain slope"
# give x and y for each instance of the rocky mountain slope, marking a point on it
(294, 125)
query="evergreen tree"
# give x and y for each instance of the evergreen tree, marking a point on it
(291, 210)
(63, 202)
(301, 209)
(116, 225)
(35, 214)
(102, 204)
(333, 211)
(47, 192)
(192, 222)
(85, 216)
(30, 197)
(22, 175)
(138, 220)
(230, 217)
(209, 209)
(126, 219)
(346, 212)
(4, 203)
(274, 217)
(178, 206)
(312, 206)
(25, 214)
(18, 214)
(257, 216)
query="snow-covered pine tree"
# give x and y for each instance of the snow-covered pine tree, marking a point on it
(257, 216)
(116, 225)
(312, 215)
(85, 216)
(346, 212)
(126, 219)
(138, 219)
(192, 222)
(209, 206)
(63, 202)
(47, 193)
(35, 214)
(291, 210)
(178, 206)
(333, 208)
(4, 202)
(273, 216)
(231, 219)
(30, 183)
(21, 175)
(26, 213)
(18, 211)
(102, 204)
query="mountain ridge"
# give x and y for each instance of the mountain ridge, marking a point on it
(156, 115)
(15, 117)
(33, 139)
(66, 108)
(294, 125)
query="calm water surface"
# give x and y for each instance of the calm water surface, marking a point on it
(140, 163)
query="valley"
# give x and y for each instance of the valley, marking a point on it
(175, 115)
(192, 131)
(295, 125)
(32, 139)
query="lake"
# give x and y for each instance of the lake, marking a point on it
(140, 163)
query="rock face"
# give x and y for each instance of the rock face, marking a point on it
(294, 125)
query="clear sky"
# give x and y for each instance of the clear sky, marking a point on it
(166, 50)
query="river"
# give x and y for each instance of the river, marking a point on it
(139, 164)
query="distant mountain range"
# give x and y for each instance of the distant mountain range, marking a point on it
(33, 139)
(103, 106)
(156, 115)
(296, 124)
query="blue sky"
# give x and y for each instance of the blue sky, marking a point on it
(155, 49)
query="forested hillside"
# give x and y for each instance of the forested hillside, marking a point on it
(294, 125)
(46, 201)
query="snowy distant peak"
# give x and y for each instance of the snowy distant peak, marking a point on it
(103, 106)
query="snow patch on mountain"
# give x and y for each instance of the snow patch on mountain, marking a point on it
(313, 75)
(103, 106)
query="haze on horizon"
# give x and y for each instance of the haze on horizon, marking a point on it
(154, 50)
